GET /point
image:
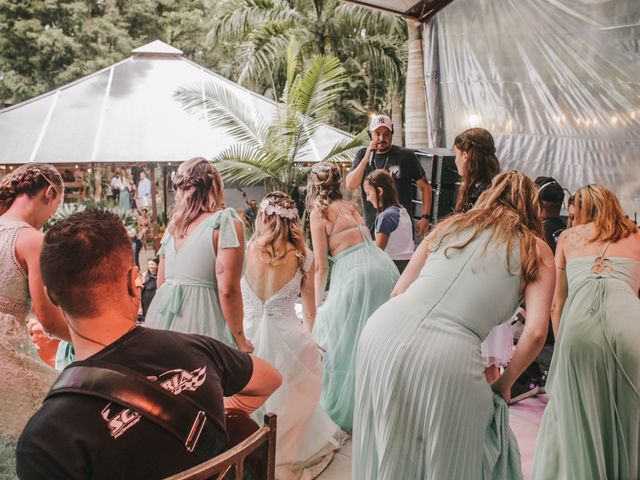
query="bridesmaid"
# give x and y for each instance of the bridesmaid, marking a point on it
(423, 408)
(591, 426)
(362, 277)
(477, 164)
(201, 261)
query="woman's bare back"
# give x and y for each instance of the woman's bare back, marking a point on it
(266, 279)
(578, 243)
(343, 226)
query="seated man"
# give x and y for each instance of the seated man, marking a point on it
(87, 268)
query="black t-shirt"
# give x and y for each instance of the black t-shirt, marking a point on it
(76, 436)
(553, 227)
(405, 168)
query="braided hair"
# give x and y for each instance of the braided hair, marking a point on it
(482, 165)
(199, 189)
(29, 180)
(323, 186)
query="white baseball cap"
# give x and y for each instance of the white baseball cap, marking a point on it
(378, 121)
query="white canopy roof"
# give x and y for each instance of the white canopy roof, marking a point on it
(419, 9)
(127, 113)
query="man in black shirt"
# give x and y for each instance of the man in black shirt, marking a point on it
(400, 162)
(551, 198)
(87, 268)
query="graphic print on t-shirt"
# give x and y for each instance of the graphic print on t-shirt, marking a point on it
(394, 170)
(176, 381)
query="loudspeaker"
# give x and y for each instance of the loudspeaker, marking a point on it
(440, 169)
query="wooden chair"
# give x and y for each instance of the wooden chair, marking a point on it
(260, 440)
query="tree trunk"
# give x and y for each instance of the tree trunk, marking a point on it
(396, 118)
(97, 178)
(416, 132)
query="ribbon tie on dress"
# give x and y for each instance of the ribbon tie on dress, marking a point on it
(170, 305)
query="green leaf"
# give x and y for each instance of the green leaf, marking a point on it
(223, 108)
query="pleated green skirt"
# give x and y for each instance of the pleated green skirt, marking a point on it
(362, 278)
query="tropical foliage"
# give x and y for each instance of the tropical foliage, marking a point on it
(45, 44)
(370, 45)
(269, 153)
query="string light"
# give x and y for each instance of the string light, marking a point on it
(473, 119)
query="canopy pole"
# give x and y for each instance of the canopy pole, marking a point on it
(154, 207)
(164, 192)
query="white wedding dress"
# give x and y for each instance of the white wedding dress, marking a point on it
(306, 436)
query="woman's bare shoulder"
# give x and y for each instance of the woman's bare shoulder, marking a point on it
(577, 237)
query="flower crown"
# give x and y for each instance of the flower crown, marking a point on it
(269, 209)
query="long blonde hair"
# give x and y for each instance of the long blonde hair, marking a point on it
(273, 228)
(323, 186)
(29, 179)
(199, 189)
(510, 209)
(598, 204)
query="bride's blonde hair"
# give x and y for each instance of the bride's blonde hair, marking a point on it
(510, 210)
(278, 223)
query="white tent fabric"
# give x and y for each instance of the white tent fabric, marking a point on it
(127, 113)
(556, 81)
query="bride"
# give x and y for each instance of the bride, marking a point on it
(278, 272)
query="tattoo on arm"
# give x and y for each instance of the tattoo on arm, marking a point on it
(219, 268)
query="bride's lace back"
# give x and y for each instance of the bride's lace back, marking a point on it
(281, 303)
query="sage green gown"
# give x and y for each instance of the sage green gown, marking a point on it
(423, 407)
(591, 425)
(362, 278)
(188, 300)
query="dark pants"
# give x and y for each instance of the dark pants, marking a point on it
(116, 194)
(401, 264)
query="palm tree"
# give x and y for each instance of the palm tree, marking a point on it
(267, 153)
(371, 46)
(416, 97)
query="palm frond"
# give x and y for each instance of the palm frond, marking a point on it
(346, 149)
(348, 18)
(247, 166)
(293, 64)
(241, 17)
(224, 109)
(263, 52)
(314, 92)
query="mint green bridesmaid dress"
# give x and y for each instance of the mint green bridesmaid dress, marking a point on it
(188, 300)
(362, 278)
(423, 407)
(591, 425)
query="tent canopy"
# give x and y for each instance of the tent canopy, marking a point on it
(419, 9)
(127, 113)
(557, 83)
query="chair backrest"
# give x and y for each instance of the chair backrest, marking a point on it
(234, 459)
